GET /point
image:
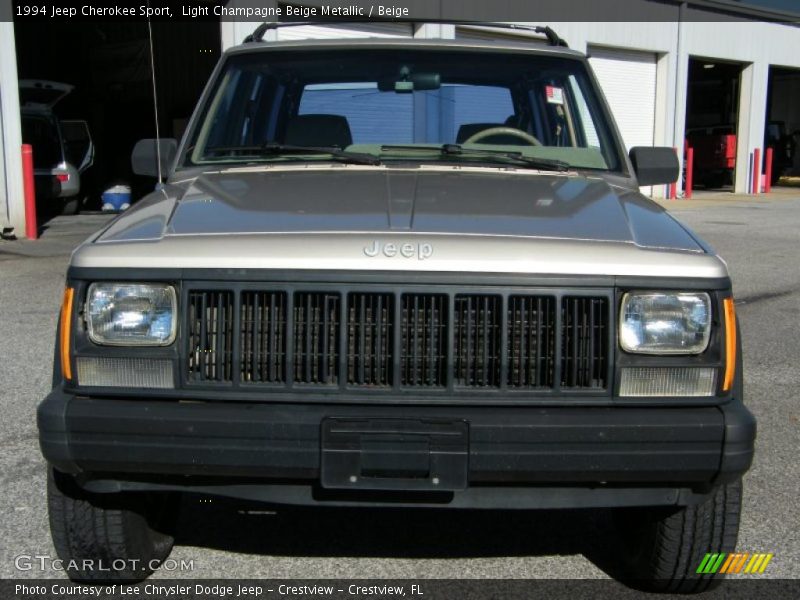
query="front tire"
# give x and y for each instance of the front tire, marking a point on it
(663, 548)
(122, 534)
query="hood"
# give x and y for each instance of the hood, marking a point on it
(307, 217)
(512, 203)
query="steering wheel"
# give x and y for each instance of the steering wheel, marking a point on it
(523, 135)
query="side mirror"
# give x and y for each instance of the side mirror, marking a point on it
(655, 165)
(144, 158)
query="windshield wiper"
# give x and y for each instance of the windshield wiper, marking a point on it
(456, 150)
(275, 149)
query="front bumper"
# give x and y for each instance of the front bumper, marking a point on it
(514, 457)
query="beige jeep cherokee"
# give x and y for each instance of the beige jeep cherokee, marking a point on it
(407, 273)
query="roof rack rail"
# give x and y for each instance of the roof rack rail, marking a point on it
(258, 33)
(552, 37)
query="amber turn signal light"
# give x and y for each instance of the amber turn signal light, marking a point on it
(730, 344)
(66, 333)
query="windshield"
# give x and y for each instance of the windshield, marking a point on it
(407, 105)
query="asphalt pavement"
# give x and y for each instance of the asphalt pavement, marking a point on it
(758, 237)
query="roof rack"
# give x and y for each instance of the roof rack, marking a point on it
(258, 34)
(552, 37)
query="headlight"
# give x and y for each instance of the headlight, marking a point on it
(131, 314)
(665, 322)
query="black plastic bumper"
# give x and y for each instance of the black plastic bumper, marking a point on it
(540, 456)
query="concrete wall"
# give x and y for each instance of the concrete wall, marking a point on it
(12, 207)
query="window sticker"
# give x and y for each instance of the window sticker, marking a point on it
(555, 95)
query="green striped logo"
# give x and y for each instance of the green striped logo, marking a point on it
(736, 562)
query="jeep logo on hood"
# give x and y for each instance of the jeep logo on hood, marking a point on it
(406, 250)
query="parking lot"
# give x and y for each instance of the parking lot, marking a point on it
(759, 238)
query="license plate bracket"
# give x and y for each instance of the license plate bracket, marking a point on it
(394, 454)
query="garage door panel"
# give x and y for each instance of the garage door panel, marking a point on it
(628, 79)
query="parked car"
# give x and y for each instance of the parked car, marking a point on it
(62, 149)
(406, 273)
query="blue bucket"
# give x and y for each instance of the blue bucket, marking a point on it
(117, 198)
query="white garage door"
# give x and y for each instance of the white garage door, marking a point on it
(356, 30)
(628, 79)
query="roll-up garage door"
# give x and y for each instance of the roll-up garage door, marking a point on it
(628, 79)
(355, 30)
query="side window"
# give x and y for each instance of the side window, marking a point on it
(374, 117)
(243, 112)
(585, 123)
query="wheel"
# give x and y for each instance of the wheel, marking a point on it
(71, 205)
(663, 548)
(124, 535)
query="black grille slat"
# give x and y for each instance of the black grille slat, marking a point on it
(584, 331)
(478, 332)
(369, 339)
(210, 336)
(531, 341)
(423, 347)
(360, 338)
(263, 337)
(316, 338)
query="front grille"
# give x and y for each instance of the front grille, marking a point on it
(478, 323)
(584, 335)
(369, 339)
(531, 341)
(262, 343)
(360, 339)
(316, 338)
(423, 340)
(210, 336)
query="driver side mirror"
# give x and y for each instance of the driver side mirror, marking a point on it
(654, 165)
(144, 158)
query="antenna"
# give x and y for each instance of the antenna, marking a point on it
(155, 95)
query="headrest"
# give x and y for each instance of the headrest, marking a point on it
(319, 130)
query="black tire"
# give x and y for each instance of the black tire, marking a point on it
(71, 205)
(125, 535)
(663, 548)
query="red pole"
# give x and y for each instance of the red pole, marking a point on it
(768, 171)
(757, 170)
(689, 173)
(31, 229)
(673, 187)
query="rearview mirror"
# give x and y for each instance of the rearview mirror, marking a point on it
(144, 158)
(654, 165)
(408, 82)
